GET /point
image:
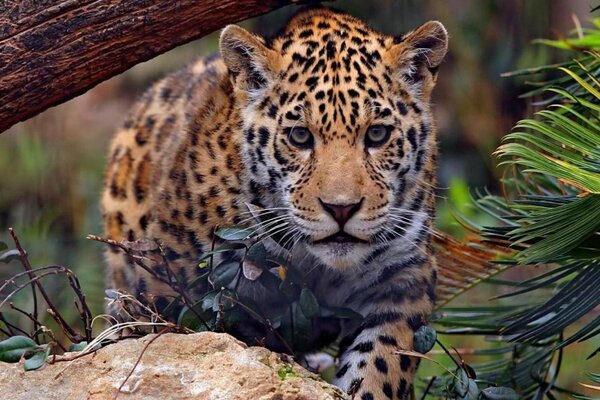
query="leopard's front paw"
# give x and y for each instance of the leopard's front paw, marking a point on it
(376, 376)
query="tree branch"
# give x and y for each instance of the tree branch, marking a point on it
(54, 50)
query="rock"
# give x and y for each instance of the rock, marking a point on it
(199, 366)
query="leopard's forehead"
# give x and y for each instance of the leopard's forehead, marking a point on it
(333, 68)
(322, 41)
(325, 20)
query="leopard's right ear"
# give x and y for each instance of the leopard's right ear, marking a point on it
(251, 64)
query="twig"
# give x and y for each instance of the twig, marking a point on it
(28, 269)
(12, 280)
(20, 287)
(138, 361)
(176, 285)
(428, 388)
(36, 323)
(85, 312)
(10, 327)
(448, 353)
(53, 311)
(63, 325)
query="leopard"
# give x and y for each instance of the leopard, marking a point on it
(328, 125)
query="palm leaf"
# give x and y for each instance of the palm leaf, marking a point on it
(550, 216)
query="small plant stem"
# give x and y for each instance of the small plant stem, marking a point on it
(36, 323)
(448, 353)
(176, 286)
(10, 327)
(73, 335)
(25, 262)
(428, 388)
(85, 312)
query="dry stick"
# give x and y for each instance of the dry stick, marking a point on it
(181, 288)
(11, 327)
(27, 266)
(25, 284)
(85, 312)
(12, 280)
(138, 260)
(66, 328)
(138, 361)
(36, 323)
(428, 388)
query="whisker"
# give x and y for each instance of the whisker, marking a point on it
(272, 231)
(400, 235)
(264, 225)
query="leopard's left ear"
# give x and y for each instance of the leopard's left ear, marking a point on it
(420, 52)
(252, 65)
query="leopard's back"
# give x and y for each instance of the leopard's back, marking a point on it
(147, 178)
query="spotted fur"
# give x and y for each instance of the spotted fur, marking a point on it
(208, 139)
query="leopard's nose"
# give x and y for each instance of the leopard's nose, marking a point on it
(341, 213)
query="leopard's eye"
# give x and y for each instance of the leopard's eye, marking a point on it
(377, 135)
(301, 137)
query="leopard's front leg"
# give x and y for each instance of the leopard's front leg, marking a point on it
(370, 366)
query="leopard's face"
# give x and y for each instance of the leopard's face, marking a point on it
(337, 128)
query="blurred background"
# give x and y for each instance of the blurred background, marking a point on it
(51, 166)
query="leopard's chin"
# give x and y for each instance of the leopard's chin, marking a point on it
(339, 253)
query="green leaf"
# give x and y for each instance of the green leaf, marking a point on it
(3, 246)
(13, 348)
(499, 393)
(424, 339)
(302, 330)
(225, 248)
(308, 303)
(461, 383)
(192, 318)
(9, 255)
(208, 300)
(234, 233)
(38, 359)
(257, 254)
(270, 282)
(223, 274)
(472, 390)
(199, 280)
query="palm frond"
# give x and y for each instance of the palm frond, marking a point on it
(548, 216)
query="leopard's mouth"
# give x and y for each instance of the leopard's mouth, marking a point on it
(339, 238)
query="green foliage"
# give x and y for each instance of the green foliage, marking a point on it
(222, 308)
(548, 217)
(16, 348)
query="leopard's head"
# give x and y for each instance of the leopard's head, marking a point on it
(338, 130)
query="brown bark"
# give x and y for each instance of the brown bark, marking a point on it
(54, 50)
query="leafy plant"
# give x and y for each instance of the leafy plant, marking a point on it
(548, 221)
